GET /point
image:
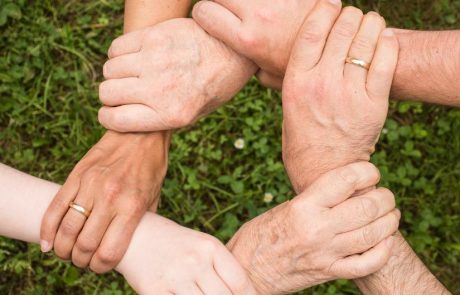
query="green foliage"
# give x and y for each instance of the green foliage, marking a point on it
(51, 54)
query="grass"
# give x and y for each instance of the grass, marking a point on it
(51, 54)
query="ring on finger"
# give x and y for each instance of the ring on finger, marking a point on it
(358, 62)
(80, 209)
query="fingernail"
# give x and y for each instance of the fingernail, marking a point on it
(388, 33)
(389, 242)
(45, 246)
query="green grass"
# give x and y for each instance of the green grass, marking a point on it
(51, 54)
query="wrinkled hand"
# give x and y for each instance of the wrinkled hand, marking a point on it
(263, 33)
(118, 180)
(165, 258)
(323, 234)
(333, 111)
(168, 76)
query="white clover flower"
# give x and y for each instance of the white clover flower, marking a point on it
(268, 197)
(239, 144)
(384, 131)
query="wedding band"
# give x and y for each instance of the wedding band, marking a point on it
(357, 62)
(79, 209)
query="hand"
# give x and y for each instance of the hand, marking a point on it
(333, 111)
(118, 180)
(165, 258)
(167, 77)
(263, 33)
(323, 234)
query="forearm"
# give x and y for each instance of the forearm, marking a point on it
(428, 67)
(404, 273)
(138, 15)
(144, 13)
(23, 202)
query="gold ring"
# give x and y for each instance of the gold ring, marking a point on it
(79, 209)
(357, 62)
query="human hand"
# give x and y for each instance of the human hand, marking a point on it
(334, 111)
(165, 258)
(168, 76)
(263, 33)
(117, 180)
(323, 234)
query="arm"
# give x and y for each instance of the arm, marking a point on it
(149, 265)
(118, 179)
(428, 66)
(404, 273)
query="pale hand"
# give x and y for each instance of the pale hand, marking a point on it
(167, 77)
(165, 258)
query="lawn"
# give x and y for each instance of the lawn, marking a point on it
(51, 53)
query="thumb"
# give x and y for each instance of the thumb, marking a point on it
(131, 118)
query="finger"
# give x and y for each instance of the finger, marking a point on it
(359, 211)
(339, 184)
(115, 242)
(115, 92)
(269, 80)
(72, 223)
(91, 236)
(237, 7)
(340, 38)
(361, 240)
(312, 37)
(123, 66)
(383, 67)
(363, 47)
(131, 118)
(361, 265)
(211, 283)
(219, 22)
(188, 289)
(232, 273)
(56, 211)
(127, 43)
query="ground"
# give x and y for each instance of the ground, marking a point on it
(51, 54)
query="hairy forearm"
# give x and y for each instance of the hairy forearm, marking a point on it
(404, 273)
(428, 67)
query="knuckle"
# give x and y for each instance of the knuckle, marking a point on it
(249, 39)
(104, 90)
(352, 12)
(210, 245)
(388, 196)
(69, 227)
(112, 189)
(266, 14)
(348, 175)
(137, 205)
(86, 245)
(346, 29)
(109, 256)
(115, 46)
(369, 236)
(357, 272)
(362, 44)
(369, 208)
(312, 33)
